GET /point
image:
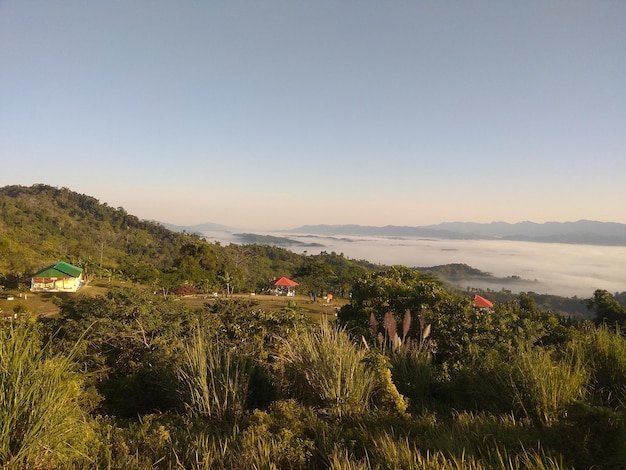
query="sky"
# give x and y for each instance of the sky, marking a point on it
(276, 114)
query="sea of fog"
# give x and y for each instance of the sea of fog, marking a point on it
(553, 268)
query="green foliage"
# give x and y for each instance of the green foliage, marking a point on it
(214, 379)
(607, 309)
(126, 342)
(604, 350)
(385, 449)
(145, 443)
(327, 370)
(42, 424)
(394, 290)
(386, 395)
(240, 323)
(591, 436)
(483, 384)
(543, 388)
(413, 374)
(315, 275)
(42, 224)
(285, 435)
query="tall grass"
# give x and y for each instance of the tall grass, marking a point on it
(392, 453)
(605, 351)
(255, 447)
(327, 370)
(41, 422)
(542, 387)
(214, 379)
(340, 459)
(413, 375)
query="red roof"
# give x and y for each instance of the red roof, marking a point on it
(283, 281)
(481, 302)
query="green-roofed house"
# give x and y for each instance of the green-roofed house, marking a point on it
(60, 277)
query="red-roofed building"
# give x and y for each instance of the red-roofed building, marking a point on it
(481, 302)
(285, 286)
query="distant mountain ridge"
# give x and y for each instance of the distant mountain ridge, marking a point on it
(584, 232)
(205, 227)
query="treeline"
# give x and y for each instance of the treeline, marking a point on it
(40, 225)
(410, 376)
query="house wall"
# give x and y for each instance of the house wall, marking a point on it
(56, 284)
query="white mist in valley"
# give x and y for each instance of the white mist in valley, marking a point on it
(553, 268)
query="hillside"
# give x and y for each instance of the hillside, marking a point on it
(41, 225)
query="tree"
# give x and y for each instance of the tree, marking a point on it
(394, 290)
(104, 239)
(228, 282)
(315, 275)
(607, 309)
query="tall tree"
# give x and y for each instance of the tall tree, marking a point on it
(607, 309)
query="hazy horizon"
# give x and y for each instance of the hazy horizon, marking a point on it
(242, 228)
(544, 268)
(280, 114)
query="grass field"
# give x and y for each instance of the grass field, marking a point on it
(41, 304)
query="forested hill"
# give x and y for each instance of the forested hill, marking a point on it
(41, 225)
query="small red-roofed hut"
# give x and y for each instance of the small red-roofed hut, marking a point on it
(285, 286)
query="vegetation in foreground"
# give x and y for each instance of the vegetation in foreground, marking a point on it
(410, 375)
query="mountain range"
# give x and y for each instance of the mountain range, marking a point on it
(582, 232)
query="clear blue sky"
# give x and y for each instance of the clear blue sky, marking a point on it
(273, 114)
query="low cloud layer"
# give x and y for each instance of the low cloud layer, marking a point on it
(560, 269)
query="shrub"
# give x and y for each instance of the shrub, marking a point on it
(136, 444)
(386, 395)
